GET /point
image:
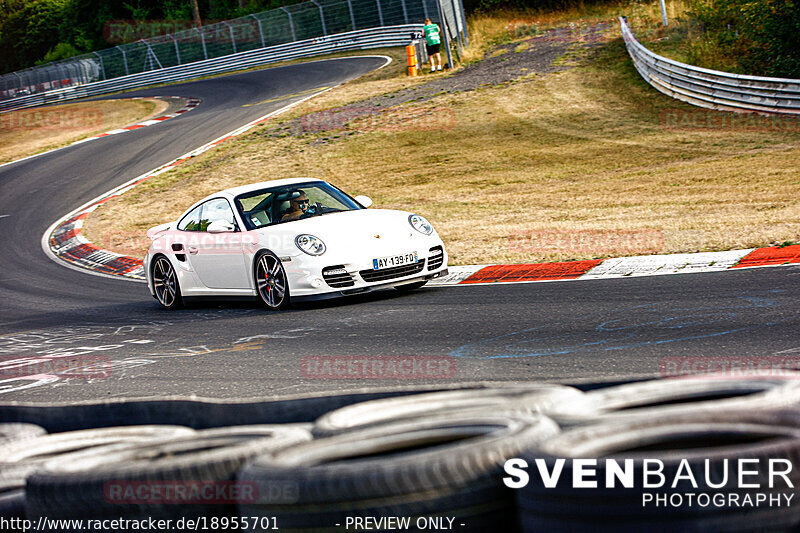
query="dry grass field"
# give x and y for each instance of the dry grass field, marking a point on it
(587, 162)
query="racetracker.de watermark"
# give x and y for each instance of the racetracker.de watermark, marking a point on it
(706, 119)
(120, 31)
(180, 492)
(730, 366)
(586, 242)
(368, 119)
(378, 367)
(52, 119)
(67, 366)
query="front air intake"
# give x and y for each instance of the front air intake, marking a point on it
(435, 258)
(337, 276)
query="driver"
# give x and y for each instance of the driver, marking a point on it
(297, 206)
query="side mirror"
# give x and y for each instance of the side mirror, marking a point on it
(220, 226)
(366, 201)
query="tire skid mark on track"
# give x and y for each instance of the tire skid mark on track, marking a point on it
(653, 325)
(93, 352)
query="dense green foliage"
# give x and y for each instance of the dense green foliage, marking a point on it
(763, 35)
(32, 31)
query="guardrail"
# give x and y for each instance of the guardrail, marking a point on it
(356, 40)
(712, 88)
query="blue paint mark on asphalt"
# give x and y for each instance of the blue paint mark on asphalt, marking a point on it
(644, 325)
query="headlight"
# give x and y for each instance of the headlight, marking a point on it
(419, 223)
(310, 244)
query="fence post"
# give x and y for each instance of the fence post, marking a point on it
(321, 17)
(352, 15)
(458, 33)
(177, 52)
(125, 60)
(151, 56)
(260, 30)
(291, 22)
(463, 22)
(233, 39)
(380, 11)
(102, 66)
(405, 11)
(446, 35)
(663, 12)
(202, 41)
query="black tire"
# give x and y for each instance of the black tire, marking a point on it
(533, 398)
(11, 432)
(95, 485)
(677, 397)
(718, 438)
(204, 413)
(165, 283)
(23, 457)
(271, 282)
(12, 502)
(410, 286)
(445, 468)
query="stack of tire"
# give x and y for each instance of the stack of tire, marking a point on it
(420, 460)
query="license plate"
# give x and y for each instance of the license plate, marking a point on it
(394, 261)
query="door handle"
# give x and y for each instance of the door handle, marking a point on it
(192, 250)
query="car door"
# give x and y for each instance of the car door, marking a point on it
(218, 258)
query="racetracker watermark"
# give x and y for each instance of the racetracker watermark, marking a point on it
(180, 492)
(586, 242)
(369, 119)
(378, 367)
(730, 366)
(127, 31)
(84, 118)
(706, 119)
(66, 366)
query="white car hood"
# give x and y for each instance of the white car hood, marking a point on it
(350, 228)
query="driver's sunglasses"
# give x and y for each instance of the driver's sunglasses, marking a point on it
(302, 202)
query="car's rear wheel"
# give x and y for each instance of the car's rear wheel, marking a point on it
(410, 286)
(271, 282)
(165, 283)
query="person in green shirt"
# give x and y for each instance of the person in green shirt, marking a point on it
(432, 44)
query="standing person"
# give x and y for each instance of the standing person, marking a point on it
(432, 44)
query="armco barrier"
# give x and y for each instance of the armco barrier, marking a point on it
(712, 88)
(357, 40)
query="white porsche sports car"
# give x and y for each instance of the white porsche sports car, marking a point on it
(289, 240)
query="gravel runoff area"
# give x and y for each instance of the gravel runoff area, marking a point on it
(502, 64)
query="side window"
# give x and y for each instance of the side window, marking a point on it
(217, 209)
(191, 222)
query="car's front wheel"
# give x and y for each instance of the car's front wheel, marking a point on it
(271, 282)
(165, 283)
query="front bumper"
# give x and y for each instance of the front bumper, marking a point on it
(329, 276)
(364, 290)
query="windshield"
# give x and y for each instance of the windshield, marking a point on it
(276, 205)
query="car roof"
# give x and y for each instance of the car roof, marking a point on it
(236, 191)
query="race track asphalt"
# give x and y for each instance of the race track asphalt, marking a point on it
(580, 331)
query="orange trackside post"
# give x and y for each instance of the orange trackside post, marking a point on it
(411, 54)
